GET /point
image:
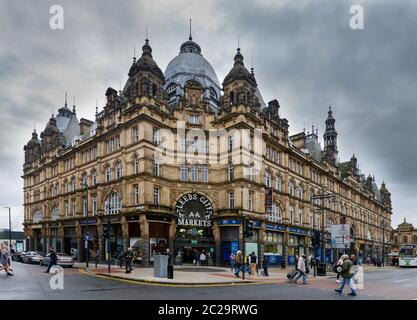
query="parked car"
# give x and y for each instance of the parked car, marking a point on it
(17, 256)
(64, 260)
(32, 257)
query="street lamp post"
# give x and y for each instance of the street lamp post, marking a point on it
(10, 228)
(108, 237)
(86, 238)
(323, 196)
(383, 243)
(243, 234)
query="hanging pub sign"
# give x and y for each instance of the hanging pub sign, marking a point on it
(194, 210)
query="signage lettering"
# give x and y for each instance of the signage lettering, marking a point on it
(195, 210)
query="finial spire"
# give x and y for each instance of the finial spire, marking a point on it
(34, 126)
(134, 52)
(238, 44)
(120, 87)
(66, 104)
(146, 33)
(190, 37)
(96, 107)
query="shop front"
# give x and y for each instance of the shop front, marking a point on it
(71, 242)
(229, 239)
(274, 243)
(194, 233)
(88, 230)
(296, 243)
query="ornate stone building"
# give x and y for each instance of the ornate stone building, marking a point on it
(404, 234)
(119, 175)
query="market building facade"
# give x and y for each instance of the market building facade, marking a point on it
(176, 160)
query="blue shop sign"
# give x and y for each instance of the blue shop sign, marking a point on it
(275, 227)
(297, 230)
(228, 222)
(88, 222)
(256, 224)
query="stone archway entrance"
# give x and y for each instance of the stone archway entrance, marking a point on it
(194, 234)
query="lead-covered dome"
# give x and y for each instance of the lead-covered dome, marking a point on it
(189, 64)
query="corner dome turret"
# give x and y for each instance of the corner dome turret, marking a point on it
(190, 64)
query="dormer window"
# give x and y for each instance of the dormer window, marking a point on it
(213, 94)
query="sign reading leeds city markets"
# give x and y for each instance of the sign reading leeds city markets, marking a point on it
(194, 210)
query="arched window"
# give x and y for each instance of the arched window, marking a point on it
(37, 216)
(113, 203)
(55, 213)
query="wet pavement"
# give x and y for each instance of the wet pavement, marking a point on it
(30, 282)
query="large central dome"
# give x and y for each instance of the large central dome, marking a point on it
(189, 64)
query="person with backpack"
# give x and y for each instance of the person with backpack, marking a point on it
(53, 259)
(303, 269)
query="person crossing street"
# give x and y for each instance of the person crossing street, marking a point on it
(53, 259)
(347, 276)
(302, 269)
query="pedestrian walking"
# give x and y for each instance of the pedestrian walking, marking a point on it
(303, 269)
(232, 261)
(239, 261)
(120, 258)
(203, 258)
(347, 276)
(253, 262)
(53, 259)
(338, 268)
(4, 259)
(128, 257)
(265, 266)
(282, 262)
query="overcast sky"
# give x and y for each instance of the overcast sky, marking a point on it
(304, 53)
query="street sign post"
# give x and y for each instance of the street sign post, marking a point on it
(340, 234)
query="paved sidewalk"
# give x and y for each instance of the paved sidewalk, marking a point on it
(197, 275)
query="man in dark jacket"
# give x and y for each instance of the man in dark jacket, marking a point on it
(53, 259)
(347, 276)
(265, 266)
(128, 257)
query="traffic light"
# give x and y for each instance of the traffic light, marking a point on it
(105, 231)
(316, 238)
(249, 228)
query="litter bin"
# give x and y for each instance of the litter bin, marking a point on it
(321, 269)
(170, 272)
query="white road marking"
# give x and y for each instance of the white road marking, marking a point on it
(402, 280)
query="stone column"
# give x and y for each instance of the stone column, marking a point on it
(285, 246)
(171, 237)
(125, 232)
(78, 235)
(144, 239)
(101, 240)
(217, 240)
(261, 242)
